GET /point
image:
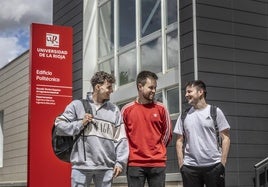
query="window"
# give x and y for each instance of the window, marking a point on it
(127, 67)
(127, 19)
(159, 97)
(107, 66)
(173, 100)
(151, 16)
(172, 11)
(106, 29)
(132, 52)
(172, 49)
(151, 56)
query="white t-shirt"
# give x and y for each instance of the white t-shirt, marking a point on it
(201, 147)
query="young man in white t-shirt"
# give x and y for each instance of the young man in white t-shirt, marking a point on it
(200, 159)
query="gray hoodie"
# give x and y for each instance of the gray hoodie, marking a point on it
(104, 143)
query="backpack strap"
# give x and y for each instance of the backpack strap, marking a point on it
(87, 106)
(88, 109)
(213, 114)
(183, 116)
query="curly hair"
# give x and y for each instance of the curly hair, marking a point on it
(100, 77)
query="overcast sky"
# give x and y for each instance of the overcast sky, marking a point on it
(16, 17)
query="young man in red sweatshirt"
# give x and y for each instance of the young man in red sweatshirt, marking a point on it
(149, 130)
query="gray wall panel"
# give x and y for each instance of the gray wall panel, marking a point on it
(186, 40)
(186, 12)
(187, 53)
(231, 54)
(232, 60)
(70, 13)
(14, 98)
(231, 41)
(186, 26)
(233, 68)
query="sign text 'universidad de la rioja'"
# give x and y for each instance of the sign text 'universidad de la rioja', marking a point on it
(50, 92)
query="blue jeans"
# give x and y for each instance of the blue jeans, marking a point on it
(155, 176)
(83, 178)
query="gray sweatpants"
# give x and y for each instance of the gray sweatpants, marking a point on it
(83, 178)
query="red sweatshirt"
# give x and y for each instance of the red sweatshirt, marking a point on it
(149, 131)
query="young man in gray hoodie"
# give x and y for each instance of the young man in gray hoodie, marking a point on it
(102, 151)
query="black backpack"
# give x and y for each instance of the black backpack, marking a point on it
(213, 114)
(63, 145)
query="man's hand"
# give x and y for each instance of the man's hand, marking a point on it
(87, 118)
(117, 171)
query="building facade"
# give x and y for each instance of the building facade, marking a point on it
(14, 99)
(224, 43)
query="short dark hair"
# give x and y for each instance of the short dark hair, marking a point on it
(143, 75)
(100, 77)
(198, 83)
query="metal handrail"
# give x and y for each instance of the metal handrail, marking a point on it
(261, 172)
